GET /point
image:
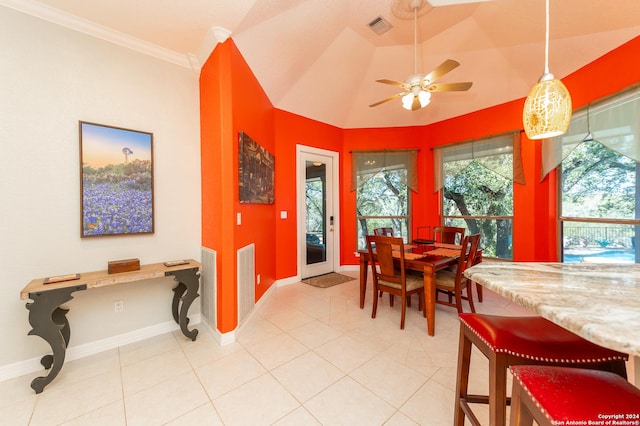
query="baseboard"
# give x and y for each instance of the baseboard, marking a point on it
(227, 338)
(32, 365)
(349, 268)
(288, 281)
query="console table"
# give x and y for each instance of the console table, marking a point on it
(49, 320)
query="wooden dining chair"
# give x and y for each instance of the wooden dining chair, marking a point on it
(385, 232)
(389, 278)
(448, 234)
(452, 283)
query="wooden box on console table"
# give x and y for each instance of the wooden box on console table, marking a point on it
(125, 265)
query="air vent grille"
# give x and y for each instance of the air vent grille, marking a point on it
(380, 25)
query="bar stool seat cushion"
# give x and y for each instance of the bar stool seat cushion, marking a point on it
(563, 393)
(537, 339)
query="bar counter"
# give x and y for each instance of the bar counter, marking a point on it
(599, 302)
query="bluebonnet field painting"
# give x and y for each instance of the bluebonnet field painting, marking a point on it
(117, 180)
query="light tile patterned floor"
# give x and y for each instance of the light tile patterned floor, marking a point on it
(307, 356)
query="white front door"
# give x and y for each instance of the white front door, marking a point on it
(317, 211)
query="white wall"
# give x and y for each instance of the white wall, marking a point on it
(50, 78)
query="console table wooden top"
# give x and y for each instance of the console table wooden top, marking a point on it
(97, 279)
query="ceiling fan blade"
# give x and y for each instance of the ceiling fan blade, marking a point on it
(392, 82)
(396, 96)
(449, 87)
(441, 70)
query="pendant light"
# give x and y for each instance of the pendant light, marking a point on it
(547, 110)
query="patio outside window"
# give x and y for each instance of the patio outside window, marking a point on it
(599, 202)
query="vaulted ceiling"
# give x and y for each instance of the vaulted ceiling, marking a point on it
(320, 58)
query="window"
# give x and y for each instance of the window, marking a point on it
(476, 183)
(382, 181)
(599, 203)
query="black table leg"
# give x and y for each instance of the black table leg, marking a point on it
(186, 292)
(49, 321)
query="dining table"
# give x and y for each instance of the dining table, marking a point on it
(426, 260)
(599, 302)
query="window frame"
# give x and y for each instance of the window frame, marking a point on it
(406, 218)
(604, 105)
(509, 140)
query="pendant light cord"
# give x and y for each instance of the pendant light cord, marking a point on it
(546, 48)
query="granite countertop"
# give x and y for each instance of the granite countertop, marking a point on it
(600, 302)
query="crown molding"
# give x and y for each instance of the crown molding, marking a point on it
(214, 36)
(64, 19)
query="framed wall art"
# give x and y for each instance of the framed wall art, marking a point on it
(116, 181)
(256, 167)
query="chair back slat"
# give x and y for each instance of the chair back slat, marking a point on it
(468, 253)
(448, 234)
(385, 232)
(453, 283)
(383, 248)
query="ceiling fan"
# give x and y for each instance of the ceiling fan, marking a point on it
(417, 88)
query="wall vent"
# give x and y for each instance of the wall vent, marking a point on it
(380, 25)
(208, 287)
(246, 257)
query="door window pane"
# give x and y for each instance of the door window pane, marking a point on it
(315, 199)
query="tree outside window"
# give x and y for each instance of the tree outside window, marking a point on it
(383, 181)
(383, 201)
(598, 196)
(476, 184)
(599, 202)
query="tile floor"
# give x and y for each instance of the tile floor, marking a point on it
(307, 356)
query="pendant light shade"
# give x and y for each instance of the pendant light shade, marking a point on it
(547, 110)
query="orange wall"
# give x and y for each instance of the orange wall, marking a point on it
(292, 130)
(232, 101)
(215, 128)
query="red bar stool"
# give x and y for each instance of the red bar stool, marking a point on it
(508, 341)
(557, 395)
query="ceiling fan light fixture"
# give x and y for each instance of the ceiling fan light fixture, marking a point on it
(407, 101)
(547, 109)
(424, 98)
